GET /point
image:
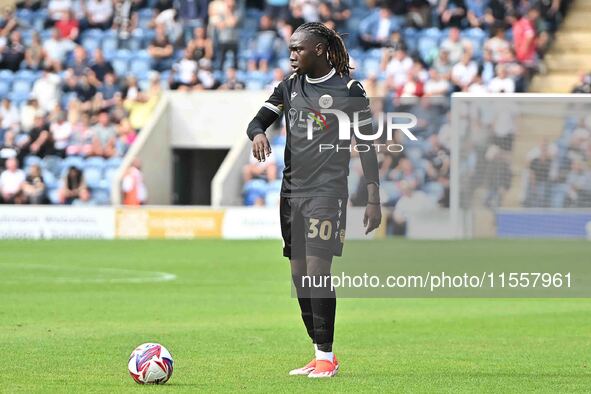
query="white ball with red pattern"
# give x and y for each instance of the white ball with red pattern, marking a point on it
(150, 363)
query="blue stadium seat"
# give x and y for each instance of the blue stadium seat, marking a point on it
(411, 38)
(50, 180)
(91, 43)
(21, 86)
(95, 161)
(19, 98)
(101, 196)
(6, 75)
(28, 75)
(428, 47)
(144, 17)
(4, 87)
(52, 164)
(25, 17)
(71, 161)
(120, 65)
(40, 18)
(31, 160)
(140, 67)
(109, 46)
(52, 194)
(93, 176)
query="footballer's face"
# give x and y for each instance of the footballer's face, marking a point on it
(304, 53)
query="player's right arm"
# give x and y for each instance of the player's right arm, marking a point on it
(266, 116)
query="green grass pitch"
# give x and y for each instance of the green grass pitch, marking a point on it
(72, 311)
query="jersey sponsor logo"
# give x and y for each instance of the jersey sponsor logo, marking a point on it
(293, 94)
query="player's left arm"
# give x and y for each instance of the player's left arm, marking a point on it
(369, 159)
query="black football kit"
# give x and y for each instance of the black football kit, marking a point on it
(314, 189)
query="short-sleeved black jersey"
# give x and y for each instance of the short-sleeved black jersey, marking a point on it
(312, 168)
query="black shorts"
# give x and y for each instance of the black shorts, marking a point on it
(313, 226)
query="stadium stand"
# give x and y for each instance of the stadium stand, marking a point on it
(78, 77)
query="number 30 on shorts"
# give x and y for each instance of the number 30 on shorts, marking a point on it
(320, 229)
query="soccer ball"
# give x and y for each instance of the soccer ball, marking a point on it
(150, 363)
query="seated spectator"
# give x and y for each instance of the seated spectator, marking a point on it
(34, 186)
(56, 49)
(375, 30)
(539, 185)
(68, 26)
(192, 14)
(38, 140)
(8, 113)
(500, 12)
(201, 46)
(232, 82)
(109, 89)
(266, 170)
(436, 85)
(184, 73)
(12, 181)
(132, 186)
(397, 65)
(205, 76)
(277, 9)
(412, 202)
(8, 147)
(497, 44)
(142, 106)
(58, 9)
(442, 63)
(13, 53)
(80, 63)
(27, 114)
(161, 50)
(100, 66)
(126, 134)
(34, 54)
(61, 131)
(85, 90)
(501, 83)
(81, 138)
(452, 13)
(455, 46)
(105, 136)
(98, 14)
(414, 86)
(173, 27)
(578, 182)
(264, 46)
(464, 72)
(73, 187)
(584, 85)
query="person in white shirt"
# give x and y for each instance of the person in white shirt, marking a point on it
(12, 181)
(185, 71)
(501, 83)
(411, 203)
(9, 113)
(46, 90)
(455, 46)
(99, 14)
(463, 73)
(58, 9)
(56, 50)
(397, 68)
(436, 86)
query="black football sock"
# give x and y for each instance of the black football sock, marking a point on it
(323, 313)
(303, 294)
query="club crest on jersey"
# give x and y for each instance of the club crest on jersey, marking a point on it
(293, 116)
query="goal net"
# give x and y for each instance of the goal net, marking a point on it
(521, 166)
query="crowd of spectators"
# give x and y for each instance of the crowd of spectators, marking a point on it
(558, 173)
(78, 76)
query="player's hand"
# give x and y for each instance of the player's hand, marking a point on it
(261, 149)
(372, 217)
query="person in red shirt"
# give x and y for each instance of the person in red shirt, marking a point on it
(524, 38)
(68, 26)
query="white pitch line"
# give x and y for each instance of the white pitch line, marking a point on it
(132, 275)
